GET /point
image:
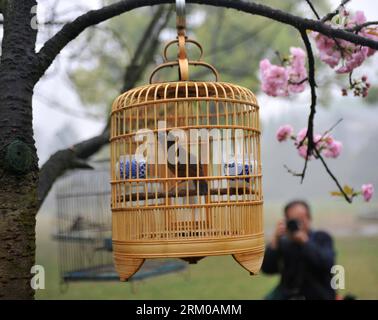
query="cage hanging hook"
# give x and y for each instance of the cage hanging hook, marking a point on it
(180, 17)
(182, 61)
(181, 37)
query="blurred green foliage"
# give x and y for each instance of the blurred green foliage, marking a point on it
(233, 42)
(372, 98)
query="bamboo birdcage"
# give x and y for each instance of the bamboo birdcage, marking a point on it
(175, 194)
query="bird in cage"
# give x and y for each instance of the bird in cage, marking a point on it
(194, 167)
(80, 224)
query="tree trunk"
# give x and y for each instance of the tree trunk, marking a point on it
(18, 185)
(17, 234)
(18, 158)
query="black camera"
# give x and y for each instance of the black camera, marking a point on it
(292, 225)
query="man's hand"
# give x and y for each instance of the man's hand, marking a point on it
(278, 233)
(300, 237)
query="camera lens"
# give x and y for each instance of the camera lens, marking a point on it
(292, 225)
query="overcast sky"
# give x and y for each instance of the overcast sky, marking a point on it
(47, 120)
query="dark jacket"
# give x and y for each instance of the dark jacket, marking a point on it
(305, 269)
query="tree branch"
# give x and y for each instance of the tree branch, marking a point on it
(147, 47)
(71, 30)
(311, 145)
(325, 133)
(71, 158)
(60, 107)
(313, 9)
(75, 156)
(359, 27)
(330, 15)
(319, 156)
(311, 80)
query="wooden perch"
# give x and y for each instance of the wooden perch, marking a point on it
(183, 193)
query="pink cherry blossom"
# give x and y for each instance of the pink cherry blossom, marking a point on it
(318, 138)
(328, 52)
(332, 58)
(297, 70)
(324, 144)
(343, 55)
(298, 57)
(354, 59)
(367, 191)
(274, 79)
(333, 148)
(360, 87)
(301, 135)
(358, 18)
(284, 132)
(289, 78)
(302, 151)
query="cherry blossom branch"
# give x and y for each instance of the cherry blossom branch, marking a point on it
(330, 129)
(350, 75)
(334, 39)
(359, 27)
(313, 9)
(292, 172)
(341, 189)
(298, 82)
(311, 145)
(330, 15)
(312, 83)
(285, 133)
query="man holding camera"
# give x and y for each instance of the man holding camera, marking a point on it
(302, 256)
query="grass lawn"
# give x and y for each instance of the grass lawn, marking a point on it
(211, 278)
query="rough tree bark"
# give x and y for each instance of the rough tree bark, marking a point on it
(18, 157)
